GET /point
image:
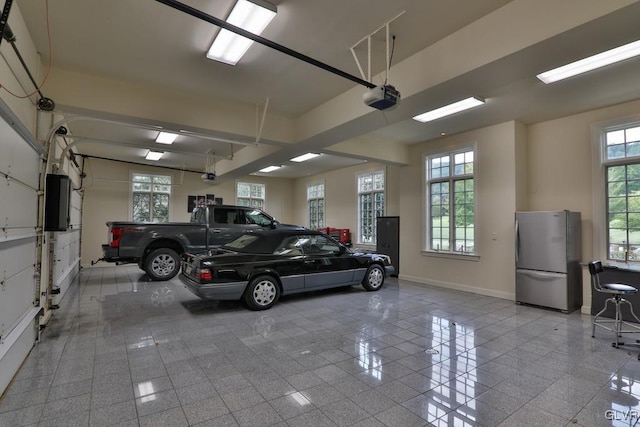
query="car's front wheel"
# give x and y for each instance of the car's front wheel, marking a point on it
(374, 279)
(262, 293)
(162, 264)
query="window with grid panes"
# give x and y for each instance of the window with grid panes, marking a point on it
(370, 205)
(150, 195)
(622, 174)
(451, 202)
(315, 200)
(249, 194)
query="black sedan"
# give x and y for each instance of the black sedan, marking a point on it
(261, 266)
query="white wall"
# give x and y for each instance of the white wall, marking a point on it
(340, 188)
(496, 181)
(560, 171)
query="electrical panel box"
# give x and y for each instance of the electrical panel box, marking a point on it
(57, 202)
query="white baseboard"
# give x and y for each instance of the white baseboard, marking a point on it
(459, 287)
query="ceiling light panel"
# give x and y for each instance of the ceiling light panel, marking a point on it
(591, 63)
(166, 138)
(269, 169)
(304, 157)
(253, 16)
(447, 110)
(154, 155)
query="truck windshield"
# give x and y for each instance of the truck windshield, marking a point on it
(258, 217)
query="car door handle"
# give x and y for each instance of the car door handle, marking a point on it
(309, 261)
(216, 230)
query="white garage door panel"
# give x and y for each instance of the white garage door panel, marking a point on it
(66, 255)
(18, 159)
(16, 299)
(66, 262)
(20, 163)
(20, 215)
(16, 256)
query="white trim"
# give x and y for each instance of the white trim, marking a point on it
(598, 182)
(452, 255)
(426, 196)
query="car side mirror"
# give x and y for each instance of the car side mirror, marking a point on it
(274, 224)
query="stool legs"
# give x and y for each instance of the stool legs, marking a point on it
(594, 322)
(618, 323)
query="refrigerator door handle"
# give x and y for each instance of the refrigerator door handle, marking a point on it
(542, 275)
(517, 242)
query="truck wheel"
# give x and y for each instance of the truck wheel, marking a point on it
(262, 293)
(162, 264)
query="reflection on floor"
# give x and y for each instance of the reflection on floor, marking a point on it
(124, 351)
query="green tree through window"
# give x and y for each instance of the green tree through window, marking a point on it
(315, 200)
(150, 197)
(371, 205)
(451, 202)
(249, 194)
(622, 165)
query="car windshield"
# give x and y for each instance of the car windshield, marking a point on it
(252, 243)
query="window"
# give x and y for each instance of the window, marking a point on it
(150, 195)
(622, 174)
(250, 195)
(315, 201)
(451, 202)
(370, 205)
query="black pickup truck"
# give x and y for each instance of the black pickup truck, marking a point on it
(157, 247)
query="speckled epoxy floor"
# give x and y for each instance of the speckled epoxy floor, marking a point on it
(124, 351)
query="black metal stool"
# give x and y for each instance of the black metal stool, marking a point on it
(617, 292)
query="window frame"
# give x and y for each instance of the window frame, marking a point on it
(132, 192)
(372, 192)
(451, 179)
(323, 211)
(601, 165)
(251, 198)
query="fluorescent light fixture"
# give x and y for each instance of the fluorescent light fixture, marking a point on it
(166, 138)
(591, 63)
(154, 155)
(253, 16)
(304, 157)
(270, 169)
(447, 110)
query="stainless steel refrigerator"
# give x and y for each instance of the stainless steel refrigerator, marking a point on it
(548, 250)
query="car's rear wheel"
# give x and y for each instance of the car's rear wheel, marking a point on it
(374, 279)
(262, 293)
(162, 264)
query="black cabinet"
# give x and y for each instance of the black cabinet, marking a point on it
(388, 239)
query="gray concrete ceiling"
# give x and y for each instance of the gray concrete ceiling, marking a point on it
(151, 43)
